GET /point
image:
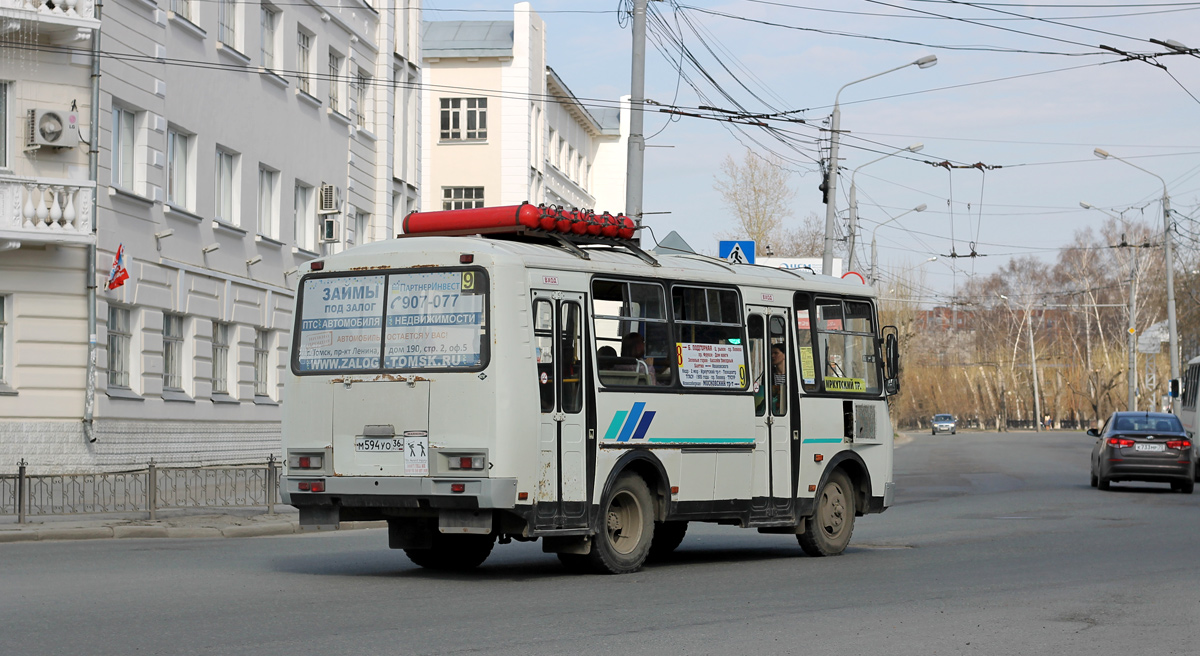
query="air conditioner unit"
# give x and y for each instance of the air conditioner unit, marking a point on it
(329, 199)
(52, 127)
(329, 230)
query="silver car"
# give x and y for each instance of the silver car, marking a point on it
(944, 424)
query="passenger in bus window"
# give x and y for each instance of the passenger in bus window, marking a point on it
(778, 377)
(633, 346)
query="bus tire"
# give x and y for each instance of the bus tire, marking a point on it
(828, 531)
(626, 527)
(453, 553)
(667, 537)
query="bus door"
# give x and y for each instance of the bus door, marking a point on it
(771, 376)
(562, 458)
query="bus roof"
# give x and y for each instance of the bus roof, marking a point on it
(602, 260)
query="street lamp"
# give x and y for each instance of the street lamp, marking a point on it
(874, 255)
(1131, 398)
(854, 202)
(1173, 331)
(831, 174)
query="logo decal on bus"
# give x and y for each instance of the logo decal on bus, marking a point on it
(630, 424)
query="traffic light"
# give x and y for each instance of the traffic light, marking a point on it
(1173, 388)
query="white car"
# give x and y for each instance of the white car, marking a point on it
(944, 424)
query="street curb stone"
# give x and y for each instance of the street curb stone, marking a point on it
(18, 536)
(258, 530)
(193, 532)
(86, 533)
(140, 531)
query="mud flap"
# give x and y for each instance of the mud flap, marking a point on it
(457, 522)
(568, 544)
(319, 518)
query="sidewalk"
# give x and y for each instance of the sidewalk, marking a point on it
(180, 524)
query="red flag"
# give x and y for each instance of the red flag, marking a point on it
(118, 275)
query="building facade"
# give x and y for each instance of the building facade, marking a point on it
(501, 127)
(237, 141)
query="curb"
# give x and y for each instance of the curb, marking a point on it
(259, 530)
(142, 531)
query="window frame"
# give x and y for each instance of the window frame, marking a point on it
(268, 35)
(448, 203)
(671, 366)
(337, 62)
(186, 6)
(455, 115)
(119, 348)
(262, 362)
(5, 85)
(221, 332)
(180, 188)
(5, 358)
(124, 146)
(304, 228)
(229, 23)
(268, 205)
(174, 345)
(304, 60)
(677, 323)
(225, 191)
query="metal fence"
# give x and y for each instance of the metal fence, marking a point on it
(143, 490)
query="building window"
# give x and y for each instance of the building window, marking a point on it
(123, 137)
(182, 8)
(267, 36)
(464, 118)
(268, 203)
(304, 219)
(118, 346)
(261, 362)
(462, 198)
(304, 61)
(173, 352)
(220, 358)
(179, 148)
(362, 221)
(335, 80)
(227, 22)
(225, 192)
(359, 88)
(3, 340)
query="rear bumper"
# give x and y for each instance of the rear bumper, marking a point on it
(403, 492)
(1143, 470)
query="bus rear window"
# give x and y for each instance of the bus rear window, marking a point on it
(389, 322)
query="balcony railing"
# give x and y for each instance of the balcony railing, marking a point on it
(46, 211)
(50, 12)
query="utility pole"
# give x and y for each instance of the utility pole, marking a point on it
(1173, 330)
(636, 161)
(1037, 395)
(1132, 376)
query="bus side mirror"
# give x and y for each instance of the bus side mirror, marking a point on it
(891, 361)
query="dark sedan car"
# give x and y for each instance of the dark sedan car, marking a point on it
(1143, 446)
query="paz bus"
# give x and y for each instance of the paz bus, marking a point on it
(531, 373)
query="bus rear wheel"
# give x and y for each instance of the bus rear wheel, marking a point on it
(626, 529)
(828, 531)
(453, 553)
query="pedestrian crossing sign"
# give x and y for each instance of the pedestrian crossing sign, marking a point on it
(736, 251)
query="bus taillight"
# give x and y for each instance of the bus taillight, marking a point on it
(466, 462)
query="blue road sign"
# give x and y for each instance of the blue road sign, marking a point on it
(737, 252)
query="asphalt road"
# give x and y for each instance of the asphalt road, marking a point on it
(996, 545)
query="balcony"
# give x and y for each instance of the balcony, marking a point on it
(45, 211)
(61, 20)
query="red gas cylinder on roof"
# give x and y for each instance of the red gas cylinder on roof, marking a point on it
(479, 218)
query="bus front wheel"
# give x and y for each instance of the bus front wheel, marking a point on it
(828, 531)
(453, 552)
(626, 527)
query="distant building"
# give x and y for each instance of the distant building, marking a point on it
(237, 142)
(501, 127)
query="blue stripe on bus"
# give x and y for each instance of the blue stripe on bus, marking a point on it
(701, 440)
(631, 423)
(823, 440)
(643, 425)
(615, 425)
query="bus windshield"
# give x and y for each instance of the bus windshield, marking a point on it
(391, 322)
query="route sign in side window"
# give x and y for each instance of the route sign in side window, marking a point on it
(708, 338)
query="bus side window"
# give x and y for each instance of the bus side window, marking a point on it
(630, 317)
(804, 342)
(543, 333)
(570, 358)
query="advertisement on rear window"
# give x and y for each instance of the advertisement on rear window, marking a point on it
(392, 322)
(434, 321)
(343, 320)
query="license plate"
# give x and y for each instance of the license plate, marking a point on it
(1149, 447)
(379, 444)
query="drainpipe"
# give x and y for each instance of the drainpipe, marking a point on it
(89, 277)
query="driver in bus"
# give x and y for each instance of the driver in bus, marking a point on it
(834, 366)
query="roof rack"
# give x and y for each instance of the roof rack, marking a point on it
(569, 229)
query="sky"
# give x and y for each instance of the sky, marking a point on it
(1022, 88)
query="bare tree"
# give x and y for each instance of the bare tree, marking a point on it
(757, 193)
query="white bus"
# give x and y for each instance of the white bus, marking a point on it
(575, 389)
(1187, 411)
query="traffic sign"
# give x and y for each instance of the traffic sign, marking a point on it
(736, 251)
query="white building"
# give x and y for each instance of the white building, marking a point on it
(226, 129)
(501, 127)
